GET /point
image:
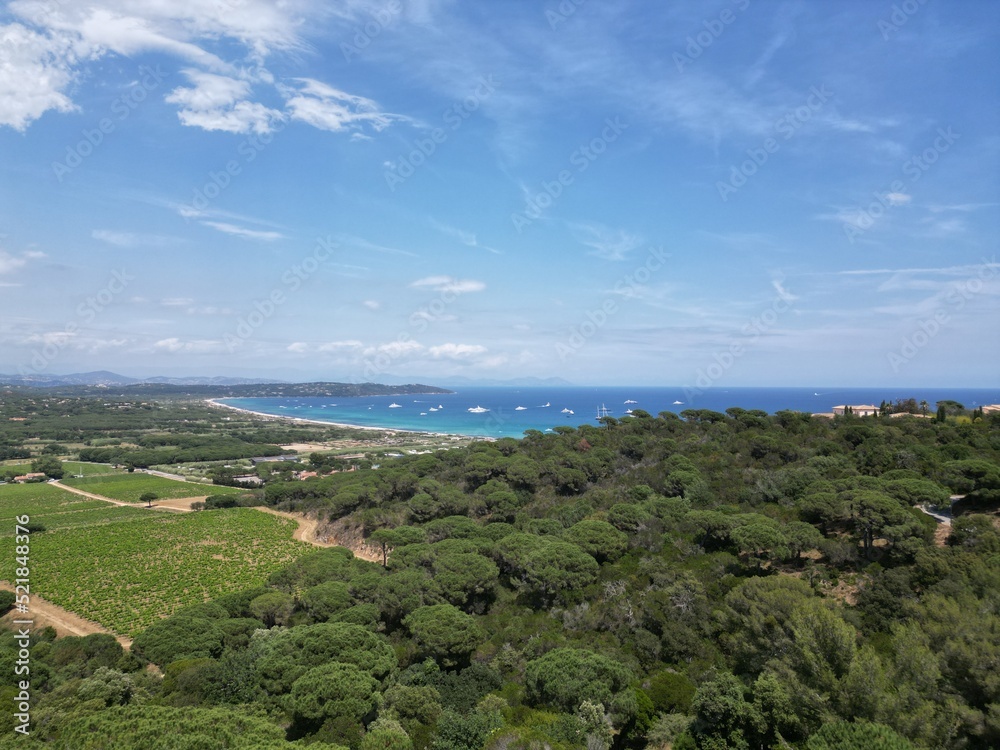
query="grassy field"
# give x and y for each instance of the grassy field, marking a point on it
(73, 468)
(56, 508)
(130, 487)
(127, 575)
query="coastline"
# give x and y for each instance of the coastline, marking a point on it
(389, 431)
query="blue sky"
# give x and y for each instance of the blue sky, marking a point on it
(702, 193)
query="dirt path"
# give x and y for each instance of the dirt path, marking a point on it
(308, 531)
(175, 504)
(943, 530)
(45, 613)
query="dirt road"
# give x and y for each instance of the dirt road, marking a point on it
(45, 613)
(308, 532)
(175, 504)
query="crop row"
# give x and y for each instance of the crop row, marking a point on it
(128, 575)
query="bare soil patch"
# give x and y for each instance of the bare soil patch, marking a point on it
(45, 613)
(313, 532)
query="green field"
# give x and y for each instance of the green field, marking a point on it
(82, 467)
(129, 574)
(130, 487)
(56, 508)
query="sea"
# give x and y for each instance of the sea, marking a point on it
(509, 411)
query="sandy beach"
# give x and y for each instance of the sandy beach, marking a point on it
(388, 431)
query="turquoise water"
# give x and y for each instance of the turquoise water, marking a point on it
(543, 407)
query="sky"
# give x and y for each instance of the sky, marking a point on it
(704, 194)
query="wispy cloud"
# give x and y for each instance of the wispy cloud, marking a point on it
(469, 239)
(252, 234)
(605, 242)
(327, 108)
(449, 284)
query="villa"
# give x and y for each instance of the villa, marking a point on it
(864, 410)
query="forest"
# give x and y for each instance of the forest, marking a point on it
(701, 580)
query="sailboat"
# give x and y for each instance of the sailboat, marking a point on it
(602, 411)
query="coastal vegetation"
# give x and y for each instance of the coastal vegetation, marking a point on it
(701, 580)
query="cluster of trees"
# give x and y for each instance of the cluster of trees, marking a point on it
(704, 581)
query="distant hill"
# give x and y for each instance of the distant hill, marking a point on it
(512, 382)
(105, 378)
(146, 389)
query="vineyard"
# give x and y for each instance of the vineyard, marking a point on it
(56, 508)
(128, 575)
(130, 487)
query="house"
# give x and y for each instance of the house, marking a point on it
(35, 476)
(248, 479)
(863, 410)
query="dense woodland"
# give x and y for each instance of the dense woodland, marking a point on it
(702, 580)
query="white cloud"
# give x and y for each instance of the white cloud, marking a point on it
(10, 263)
(449, 284)
(40, 59)
(173, 345)
(35, 70)
(338, 346)
(253, 234)
(220, 103)
(898, 199)
(396, 349)
(177, 302)
(327, 108)
(607, 243)
(298, 347)
(128, 239)
(456, 351)
(372, 304)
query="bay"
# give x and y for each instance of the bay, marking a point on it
(509, 411)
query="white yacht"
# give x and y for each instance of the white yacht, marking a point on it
(395, 406)
(520, 408)
(477, 410)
